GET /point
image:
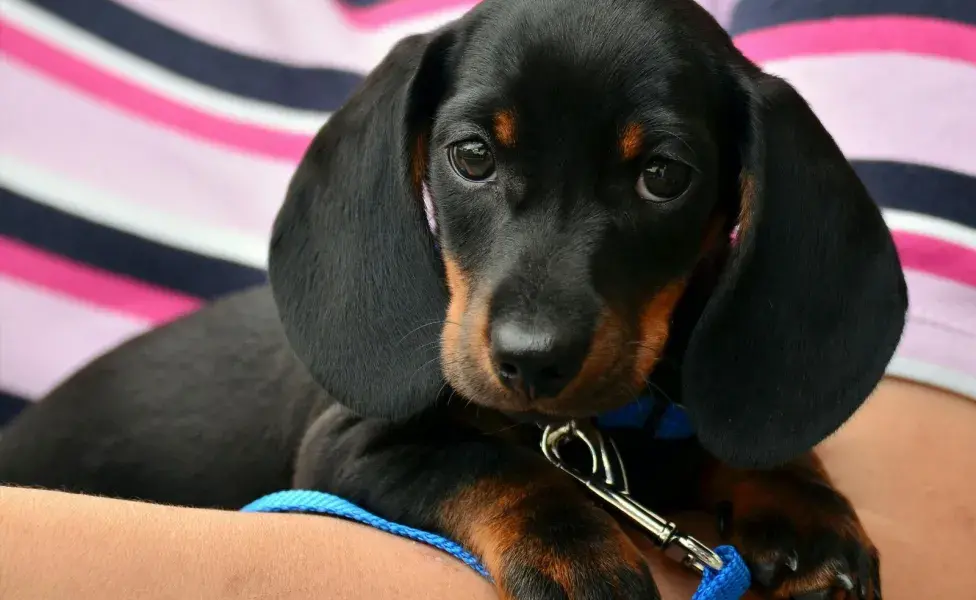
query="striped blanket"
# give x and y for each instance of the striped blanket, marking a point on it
(145, 146)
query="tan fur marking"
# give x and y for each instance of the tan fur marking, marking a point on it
(631, 141)
(418, 164)
(505, 128)
(487, 518)
(491, 518)
(603, 353)
(747, 193)
(451, 346)
(655, 325)
(481, 342)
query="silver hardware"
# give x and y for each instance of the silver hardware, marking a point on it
(607, 479)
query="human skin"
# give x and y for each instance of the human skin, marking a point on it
(906, 460)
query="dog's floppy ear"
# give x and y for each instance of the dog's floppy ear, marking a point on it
(812, 301)
(353, 265)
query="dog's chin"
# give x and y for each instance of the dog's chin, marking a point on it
(546, 410)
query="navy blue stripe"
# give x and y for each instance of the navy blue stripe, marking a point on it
(363, 3)
(297, 87)
(120, 252)
(749, 15)
(10, 406)
(936, 192)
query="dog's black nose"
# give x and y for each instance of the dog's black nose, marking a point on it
(539, 360)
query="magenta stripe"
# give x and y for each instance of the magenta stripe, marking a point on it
(100, 288)
(22, 46)
(914, 35)
(390, 11)
(938, 257)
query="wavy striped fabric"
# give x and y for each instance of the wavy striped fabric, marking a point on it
(145, 146)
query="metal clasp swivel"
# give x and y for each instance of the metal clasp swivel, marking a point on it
(607, 478)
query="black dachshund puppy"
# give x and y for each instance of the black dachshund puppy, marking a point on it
(537, 212)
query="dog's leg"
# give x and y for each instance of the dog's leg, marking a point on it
(537, 533)
(800, 536)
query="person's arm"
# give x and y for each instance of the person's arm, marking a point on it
(55, 546)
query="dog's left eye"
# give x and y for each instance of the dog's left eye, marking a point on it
(472, 160)
(663, 179)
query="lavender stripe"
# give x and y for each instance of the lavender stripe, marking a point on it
(54, 128)
(875, 116)
(46, 337)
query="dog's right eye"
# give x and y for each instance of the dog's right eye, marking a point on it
(664, 179)
(472, 160)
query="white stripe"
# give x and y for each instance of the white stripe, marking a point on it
(56, 191)
(891, 106)
(107, 57)
(934, 375)
(311, 33)
(947, 231)
(46, 336)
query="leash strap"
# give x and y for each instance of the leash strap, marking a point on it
(729, 583)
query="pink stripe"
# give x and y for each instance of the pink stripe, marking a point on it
(383, 13)
(22, 46)
(124, 160)
(915, 35)
(938, 257)
(45, 336)
(94, 286)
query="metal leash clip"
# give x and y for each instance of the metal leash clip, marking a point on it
(608, 480)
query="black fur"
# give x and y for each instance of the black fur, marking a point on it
(334, 378)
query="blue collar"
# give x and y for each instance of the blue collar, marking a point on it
(673, 422)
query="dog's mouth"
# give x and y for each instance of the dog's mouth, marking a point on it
(532, 362)
(606, 382)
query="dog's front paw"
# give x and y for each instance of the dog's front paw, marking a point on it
(575, 561)
(802, 541)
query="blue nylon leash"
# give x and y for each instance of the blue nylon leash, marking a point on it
(729, 583)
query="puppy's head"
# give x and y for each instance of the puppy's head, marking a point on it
(536, 201)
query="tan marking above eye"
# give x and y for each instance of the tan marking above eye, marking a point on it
(631, 141)
(505, 128)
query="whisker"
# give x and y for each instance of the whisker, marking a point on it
(427, 345)
(441, 391)
(425, 325)
(422, 367)
(418, 328)
(653, 387)
(503, 429)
